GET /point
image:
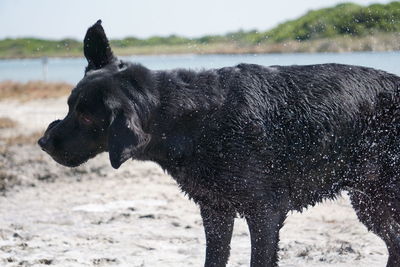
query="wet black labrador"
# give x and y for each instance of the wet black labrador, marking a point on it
(246, 140)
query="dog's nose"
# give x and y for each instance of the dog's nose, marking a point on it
(44, 143)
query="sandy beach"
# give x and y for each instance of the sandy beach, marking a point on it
(94, 215)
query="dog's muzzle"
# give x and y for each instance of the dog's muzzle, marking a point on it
(45, 142)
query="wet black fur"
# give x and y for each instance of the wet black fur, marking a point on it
(250, 140)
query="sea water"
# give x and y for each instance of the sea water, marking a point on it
(71, 70)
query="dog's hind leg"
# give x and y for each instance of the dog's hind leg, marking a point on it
(264, 226)
(378, 207)
(218, 228)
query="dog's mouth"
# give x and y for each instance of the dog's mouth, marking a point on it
(71, 160)
(68, 161)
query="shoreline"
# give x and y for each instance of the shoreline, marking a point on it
(373, 43)
(204, 54)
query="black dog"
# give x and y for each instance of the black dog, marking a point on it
(249, 140)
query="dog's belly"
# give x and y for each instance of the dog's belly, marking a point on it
(244, 186)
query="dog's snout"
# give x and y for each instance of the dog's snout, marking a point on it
(47, 142)
(54, 123)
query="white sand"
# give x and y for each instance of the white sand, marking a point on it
(135, 216)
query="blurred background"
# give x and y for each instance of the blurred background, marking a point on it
(94, 215)
(42, 40)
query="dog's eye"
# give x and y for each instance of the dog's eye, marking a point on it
(85, 119)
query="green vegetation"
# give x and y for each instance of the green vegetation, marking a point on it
(343, 19)
(32, 47)
(375, 27)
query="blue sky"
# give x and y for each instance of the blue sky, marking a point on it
(56, 19)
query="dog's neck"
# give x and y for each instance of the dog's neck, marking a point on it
(185, 100)
(183, 92)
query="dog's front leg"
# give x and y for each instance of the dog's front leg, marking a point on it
(218, 228)
(264, 226)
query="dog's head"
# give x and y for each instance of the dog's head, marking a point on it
(107, 109)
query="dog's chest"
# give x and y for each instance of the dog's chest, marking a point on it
(203, 188)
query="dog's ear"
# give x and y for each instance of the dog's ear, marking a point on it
(96, 48)
(125, 137)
